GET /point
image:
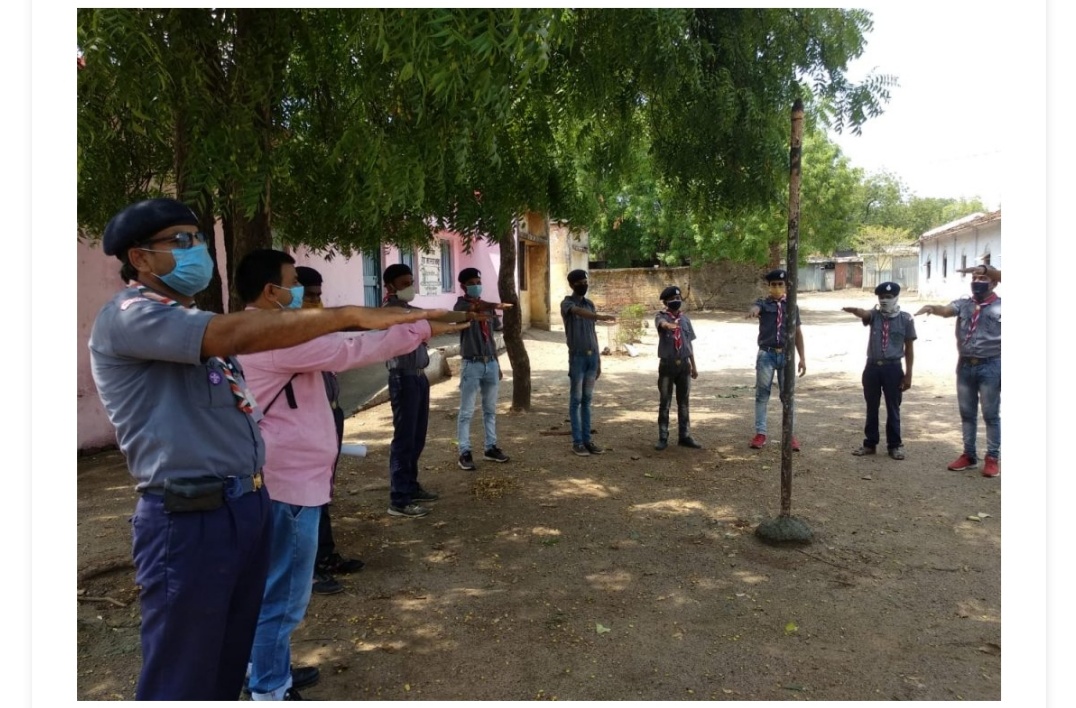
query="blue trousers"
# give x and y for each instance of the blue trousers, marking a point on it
(582, 373)
(980, 385)
(767, 364)
(878, 381)
(478, 376)
(292, 546)
(409, 395)
(202, 575)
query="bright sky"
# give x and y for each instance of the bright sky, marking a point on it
(938, 132)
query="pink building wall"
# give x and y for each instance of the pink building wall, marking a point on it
(98, 280)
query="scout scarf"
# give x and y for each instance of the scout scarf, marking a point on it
(975, 315)
(487, 335)
(244, 399)
(678, 337)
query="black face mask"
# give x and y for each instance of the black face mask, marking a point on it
(579, 290)
(673, 305)
(979, 289)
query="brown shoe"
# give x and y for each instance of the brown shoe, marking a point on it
(864, 450)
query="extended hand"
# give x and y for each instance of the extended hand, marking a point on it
(385, 317)
(926, 309)
(607, 318)
(437, 327)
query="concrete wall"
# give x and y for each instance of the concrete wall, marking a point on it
(723, 286)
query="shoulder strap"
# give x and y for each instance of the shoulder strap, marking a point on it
(289, 394)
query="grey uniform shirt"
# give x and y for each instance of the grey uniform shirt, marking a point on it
(900, 329)
(985, 341)
(472, 342)
(418, 359)
(667, 339)
(581, 335)
(175, 415)
(768, 336)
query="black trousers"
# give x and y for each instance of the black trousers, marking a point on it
(674, 374)
(878, 381)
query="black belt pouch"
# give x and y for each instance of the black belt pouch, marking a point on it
(193, 494)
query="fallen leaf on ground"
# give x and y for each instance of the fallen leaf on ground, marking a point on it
(791, 628)
(601, 628)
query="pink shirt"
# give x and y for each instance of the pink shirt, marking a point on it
(300, 443)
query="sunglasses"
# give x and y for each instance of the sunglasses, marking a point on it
(180, 241)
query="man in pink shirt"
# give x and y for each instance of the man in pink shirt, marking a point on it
(300, 450)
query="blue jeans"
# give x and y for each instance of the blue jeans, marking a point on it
(980, 385)
(202, 575)
(475, 375)
(582, 372)
(409, 394)
(766, 363)
(293, 544)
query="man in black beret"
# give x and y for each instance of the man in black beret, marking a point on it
(584, 359)
(676, 367)
(891, 341)
(773, 320)
(186, 422)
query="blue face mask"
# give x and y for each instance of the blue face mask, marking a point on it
(296, 296)
(193, 271)
(474, 290)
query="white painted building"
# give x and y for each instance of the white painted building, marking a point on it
(945, 250)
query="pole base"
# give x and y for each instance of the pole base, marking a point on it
(784, 530)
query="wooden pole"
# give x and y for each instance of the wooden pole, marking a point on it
(788, 397)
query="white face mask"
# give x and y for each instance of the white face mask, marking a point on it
(888, 306)
(407, 294)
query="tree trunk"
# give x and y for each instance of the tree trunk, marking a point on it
(513, 325)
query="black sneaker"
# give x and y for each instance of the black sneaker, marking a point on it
(661, 445)
(336, 564)
(689, 442)
(495, 454)
(581, 450)
(325, 584)
(413, 511)
(466, 461)
(424, 495)
(301, 677)
(292, 695)
(593, 449)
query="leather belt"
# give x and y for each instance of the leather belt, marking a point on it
(231, 487)
(975, 361)
(775, 350)
(407, 372)
(883, 362)
(484, 359)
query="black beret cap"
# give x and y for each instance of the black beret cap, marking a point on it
(777, 274)
(139, 221)
(307, 276)
(394, 271)
(888, 289)
(670, 293)
(468, 273)
(576, 275)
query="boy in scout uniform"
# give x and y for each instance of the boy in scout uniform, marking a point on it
(772, 315)
(892, 334)
(584, 360)
(676, 368)
(978, 371)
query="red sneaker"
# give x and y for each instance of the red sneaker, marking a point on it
(795, 444)
(991, 467)
(962, 463)
(758, 441)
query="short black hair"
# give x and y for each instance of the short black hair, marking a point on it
(307, 276)
(258, 269)
(394, 271)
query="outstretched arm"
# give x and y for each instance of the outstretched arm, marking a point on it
(939, 310)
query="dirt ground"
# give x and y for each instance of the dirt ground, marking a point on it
(636, 574)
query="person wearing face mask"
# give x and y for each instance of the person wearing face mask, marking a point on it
(773, 318)
(328, 562)
(301, 450)
(479, 370)
(676, 368)
(186, 422)
(892, 334)
(409, 396)
(584, 359)
(978, 371)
